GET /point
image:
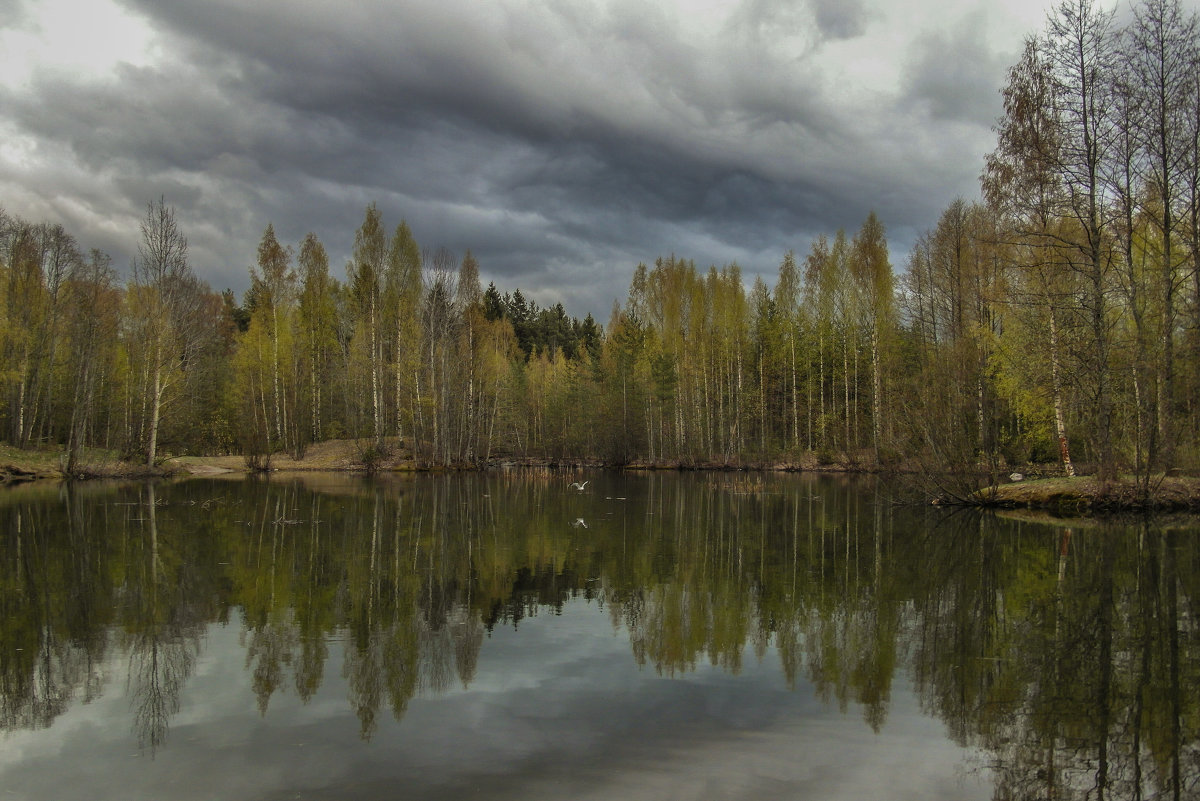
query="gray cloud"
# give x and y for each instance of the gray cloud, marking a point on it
(14, 13)
(840, 19)
(954, 73)
(562, 146)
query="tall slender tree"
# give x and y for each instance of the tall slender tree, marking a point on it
(366, 276)
(1160, 53)
(1026, 189)
(787, 296)
(872, 272)
(318, 327)
(92, 332)
(403, 298)
(274, 288)
(164, 300)
(1080, 51)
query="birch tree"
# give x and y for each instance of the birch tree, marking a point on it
(439, 324)
(468, 299)
(819, 281)
(318, 332)
(403, 298)
(873, 274)
(1160, 52)
(92, 337)
(42, 260)
(274, 287)
(1025, 185)
(366, 276)
(1080, 53)
(787, 305)
(164, 297)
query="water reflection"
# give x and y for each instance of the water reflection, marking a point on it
(1068, 654)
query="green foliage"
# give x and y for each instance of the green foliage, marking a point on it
(371, 457)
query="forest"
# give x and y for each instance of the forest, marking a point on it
(1054, 320)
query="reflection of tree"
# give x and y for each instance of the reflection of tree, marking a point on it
(36, 666)
(960, 619)
(1167, 720)
(310, 666)
(363, 669)
(272, 634)
(162, 623)
(313, 600)
(365, 660)
(1085, 694)
(466, 635)
(851, 626)
(160, 663)
(51, 626)
(270, 648)
(1069, 655)
(410, 632)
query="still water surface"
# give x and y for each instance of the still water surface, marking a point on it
(667, 636)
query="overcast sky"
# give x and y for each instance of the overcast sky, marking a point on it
(562, 143)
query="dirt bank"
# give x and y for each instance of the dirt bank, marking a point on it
(1084, 494)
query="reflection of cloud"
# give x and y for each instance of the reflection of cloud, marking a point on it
(557, 709)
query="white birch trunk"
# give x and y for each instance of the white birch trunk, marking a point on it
(1060, 427)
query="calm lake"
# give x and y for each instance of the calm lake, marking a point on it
(502, 636)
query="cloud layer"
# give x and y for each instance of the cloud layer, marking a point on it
(562, 144)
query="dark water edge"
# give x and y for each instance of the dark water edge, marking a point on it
(657, 636)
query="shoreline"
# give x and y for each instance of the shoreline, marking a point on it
(1081, 495)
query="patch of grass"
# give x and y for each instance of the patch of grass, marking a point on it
(36, 461)
(1084, 493)
(17, 464)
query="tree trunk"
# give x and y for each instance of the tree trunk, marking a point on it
(846, 386)
(399, 360)
(762, 406)
(155, 409)
(279, 425)
(876, 392)
(1060, 426)
(739, 442)
(315, 389)
(1166, 382)
(795, 395)
(375, 389)
(21, 439)
(822, 420)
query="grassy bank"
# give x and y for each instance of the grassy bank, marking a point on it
(337, 455)
(18, 465)
(1084, 494)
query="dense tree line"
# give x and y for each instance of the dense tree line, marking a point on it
(85, 361)
(1057, 319)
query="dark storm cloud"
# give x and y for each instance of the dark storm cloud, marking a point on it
(561, 145)
(525, 116)
(840, 19)
(954, 73)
